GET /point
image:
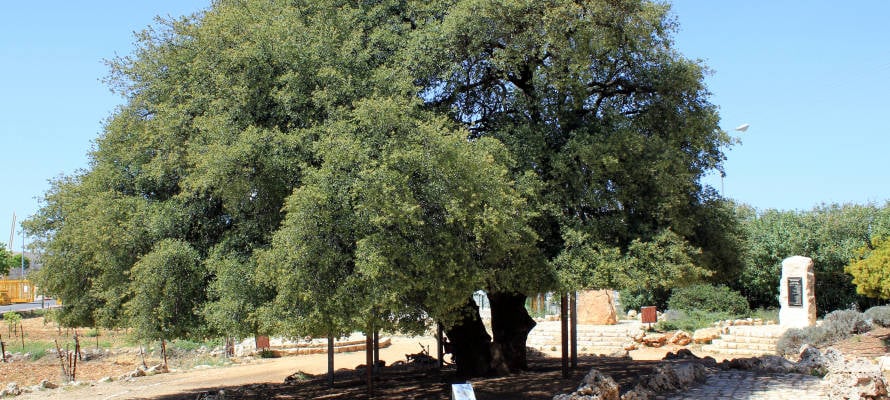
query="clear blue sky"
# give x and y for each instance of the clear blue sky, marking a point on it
(812, 79)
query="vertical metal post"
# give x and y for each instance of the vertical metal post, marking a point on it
(331, 358)
(564, 324)
(369, 360)
(440, 347)
(574, 318)
(376, 347)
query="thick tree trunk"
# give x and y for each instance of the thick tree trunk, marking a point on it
(510, 325)
(470, 343)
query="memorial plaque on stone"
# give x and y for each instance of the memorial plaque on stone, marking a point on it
(795, 292)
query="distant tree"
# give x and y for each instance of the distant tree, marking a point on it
(6, 260)
(829, 234)
(18, 263)
(871, 269)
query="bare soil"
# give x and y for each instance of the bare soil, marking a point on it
(265, 378)
(874, 343)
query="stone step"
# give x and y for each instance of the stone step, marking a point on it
(721, 345)
(737, 352)
(748, 339)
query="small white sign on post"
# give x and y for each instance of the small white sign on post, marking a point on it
(462, 391)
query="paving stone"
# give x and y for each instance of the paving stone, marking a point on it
(756, 386)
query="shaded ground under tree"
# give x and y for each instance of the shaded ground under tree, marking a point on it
(542, 380)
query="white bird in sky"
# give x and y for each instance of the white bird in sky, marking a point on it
(742, 127)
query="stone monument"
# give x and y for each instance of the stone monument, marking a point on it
(797, 294)
(597, 307)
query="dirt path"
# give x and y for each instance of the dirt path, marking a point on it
(199, 380)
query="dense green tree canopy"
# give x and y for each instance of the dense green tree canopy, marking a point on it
(829, 234)
(312, 167)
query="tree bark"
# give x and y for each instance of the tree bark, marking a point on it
(471, 344)
(510, 325)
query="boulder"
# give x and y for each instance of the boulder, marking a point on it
(855, 379)
(632, 314)
(681, 338)
(706, 335)
(668, 378)
(654, 340)
(811, 361)
(597, 307)
(46, 384)
(682, 354)
(594, 386)
(12, 389)
(157, 369)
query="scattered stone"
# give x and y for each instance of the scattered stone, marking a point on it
(706, 335)
(682, 354)
(654, 340)
(219, 395)
(46, 384)
(136, 373)
(12, 389)
(157, 369)
(680, 338)
(811, 361)
(773, 363)
(594, 386)
(668, 378)
(629, 346)
(106, 379)
(884, 363)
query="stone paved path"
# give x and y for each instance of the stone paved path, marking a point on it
(746, 385)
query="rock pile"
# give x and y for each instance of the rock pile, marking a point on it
(847, 379)
(643, 338)
(594, 386)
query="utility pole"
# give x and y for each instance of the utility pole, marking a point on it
(23, 254)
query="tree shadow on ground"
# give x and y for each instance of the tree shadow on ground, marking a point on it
(542, 381)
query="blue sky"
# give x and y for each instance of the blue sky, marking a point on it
(810, 77)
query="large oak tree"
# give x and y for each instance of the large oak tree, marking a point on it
(339, 165)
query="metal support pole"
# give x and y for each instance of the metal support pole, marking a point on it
(331, 359)
(376, 347)
(369, 361)
(574, 317)
(564, 324)
(440, 346)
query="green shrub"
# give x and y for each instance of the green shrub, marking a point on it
(879, 315)
(837, 326)
(766, 314)
(689, 320)
(266, 353)
(791, 341)
(709, 298)
(185, 345)
(841, 324)
(91, 333)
